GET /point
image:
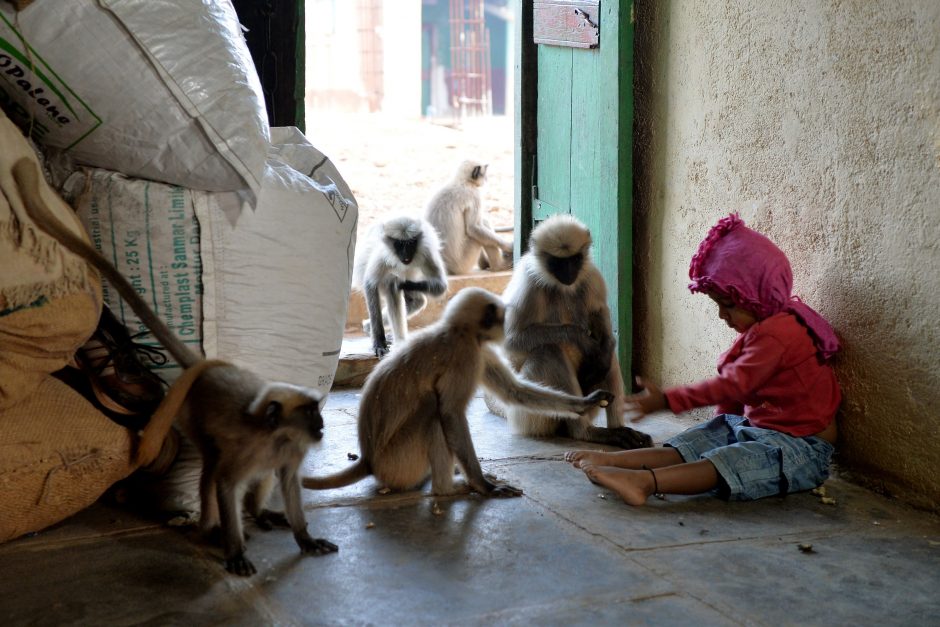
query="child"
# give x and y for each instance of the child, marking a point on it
(776, 395)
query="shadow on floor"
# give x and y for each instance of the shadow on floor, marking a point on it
(567, 552)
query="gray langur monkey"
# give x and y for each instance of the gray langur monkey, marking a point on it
(558, 332)
(246, 429)
(467, 239)
(398, 263)
(412, 417)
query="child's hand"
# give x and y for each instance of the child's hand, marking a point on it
(650, 400)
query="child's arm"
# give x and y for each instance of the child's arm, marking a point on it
(652, 399)
(758, 361)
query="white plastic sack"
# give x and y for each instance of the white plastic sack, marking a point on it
(149, 231)
(157, 89)
(277, 281)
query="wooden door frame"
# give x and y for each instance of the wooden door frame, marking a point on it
(525, 135)
(525, 76)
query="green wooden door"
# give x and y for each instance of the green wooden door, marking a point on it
(574, 127)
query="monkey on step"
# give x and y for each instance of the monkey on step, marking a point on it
(558, 332)
(398, 262)
(412, 417)
(467, 239)
(245, 428)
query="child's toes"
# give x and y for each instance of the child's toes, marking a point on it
(591, 471)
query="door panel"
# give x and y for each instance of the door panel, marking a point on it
(553, 119)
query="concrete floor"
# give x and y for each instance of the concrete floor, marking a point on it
(567, 552)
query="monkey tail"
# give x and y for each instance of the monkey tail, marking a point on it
(152, 436)
(358, 471)
(26, 175)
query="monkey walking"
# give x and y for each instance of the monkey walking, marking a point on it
(467, 240)
(558, 332)
(412, 417)
(245, 428)
(398, 263)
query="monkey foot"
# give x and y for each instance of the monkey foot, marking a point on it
(317, 546)
(504, 491)
(623, 437)
(240, 565)
(268, 520)
(628, 438)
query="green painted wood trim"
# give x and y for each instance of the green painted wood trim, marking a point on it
(525, 77)
(625, 192)
(300, 73)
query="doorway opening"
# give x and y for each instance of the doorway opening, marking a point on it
(398, 92)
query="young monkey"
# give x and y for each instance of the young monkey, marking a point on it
(245, 428)
(399, 262)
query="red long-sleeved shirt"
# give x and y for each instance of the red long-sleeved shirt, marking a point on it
(772, 376)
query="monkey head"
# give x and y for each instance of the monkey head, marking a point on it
(289, 408)
(472, 172)
(479, 311)
(562, 246)
(403, 236)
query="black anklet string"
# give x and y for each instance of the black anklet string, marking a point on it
(656, 491)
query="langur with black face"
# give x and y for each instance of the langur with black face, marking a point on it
(467, 239)
(398, 263)
(246, 429)
(413, 413)
(558, 332)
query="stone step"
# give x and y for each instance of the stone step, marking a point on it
(357, 359)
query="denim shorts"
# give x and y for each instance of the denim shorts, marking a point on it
(752, 462)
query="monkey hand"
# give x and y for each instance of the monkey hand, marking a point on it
(435, 287)
(381, 350)
(599, 397)
(413, 286)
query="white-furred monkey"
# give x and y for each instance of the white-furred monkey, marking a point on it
(467, 240)
(398, 263)
(413, 413)
(247, 429)
(558, 332)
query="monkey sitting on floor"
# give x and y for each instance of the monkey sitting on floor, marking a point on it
(412, 417)
(398, 262)
(558, 332)
(467, 240)
(245, 428)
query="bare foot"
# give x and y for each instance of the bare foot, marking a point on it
(598, 458)
(633, 486)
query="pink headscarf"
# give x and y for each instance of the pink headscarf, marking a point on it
(736, 262)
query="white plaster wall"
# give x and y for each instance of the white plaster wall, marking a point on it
(820, 123)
